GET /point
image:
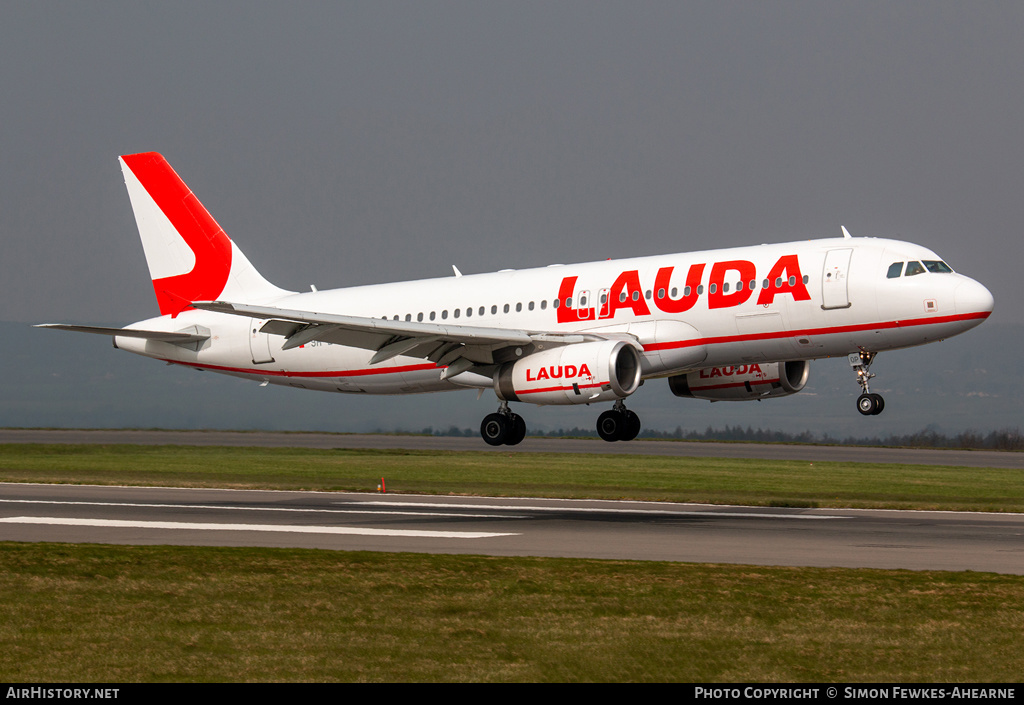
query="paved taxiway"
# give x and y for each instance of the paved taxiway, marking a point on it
(514, 527)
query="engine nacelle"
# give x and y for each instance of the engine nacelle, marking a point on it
(743, 382)
(581, 373)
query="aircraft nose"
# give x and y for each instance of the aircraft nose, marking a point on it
(972, 297)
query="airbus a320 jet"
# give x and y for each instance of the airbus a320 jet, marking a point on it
(732, 324)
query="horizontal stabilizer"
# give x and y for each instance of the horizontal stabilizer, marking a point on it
(161, 335)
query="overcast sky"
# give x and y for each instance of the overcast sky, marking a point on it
(349, 143)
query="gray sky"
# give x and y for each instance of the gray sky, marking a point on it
(349, 143)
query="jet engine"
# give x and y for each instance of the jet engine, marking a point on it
(581, 373)
(743, 382)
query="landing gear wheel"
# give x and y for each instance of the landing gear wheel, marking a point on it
(495, 429)
(865, 404)
(618, 424)
(870, 404)
(517, 430)
(879, 404)
(610, 425)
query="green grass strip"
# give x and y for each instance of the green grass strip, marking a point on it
(720, 481)
(79, 613)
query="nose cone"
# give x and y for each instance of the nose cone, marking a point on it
(973, 299)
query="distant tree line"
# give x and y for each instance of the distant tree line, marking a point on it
(1004, 439)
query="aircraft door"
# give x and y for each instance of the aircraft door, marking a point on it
(835, 279)
(584, 307)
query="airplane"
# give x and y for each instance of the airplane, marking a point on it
(721, 325)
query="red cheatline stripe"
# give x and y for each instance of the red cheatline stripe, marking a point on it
(647, 348)
(885, 325)
(326, 373)
(559, 389)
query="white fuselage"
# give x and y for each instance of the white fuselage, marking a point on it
(778, 302)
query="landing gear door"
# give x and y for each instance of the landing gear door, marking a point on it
(259, 343)
(835, 279)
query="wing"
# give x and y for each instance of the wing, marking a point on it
(441, 344)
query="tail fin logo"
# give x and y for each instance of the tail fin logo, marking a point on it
(168, 214)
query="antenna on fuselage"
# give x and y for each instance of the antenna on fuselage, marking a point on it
(846, 233)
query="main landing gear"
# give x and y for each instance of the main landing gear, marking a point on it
(504, 427)
(867, 403)
(618, 423)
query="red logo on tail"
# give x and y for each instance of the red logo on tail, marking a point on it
(208, 241)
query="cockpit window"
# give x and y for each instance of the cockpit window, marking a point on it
(937, 267)
(895, 269)
(914, 268)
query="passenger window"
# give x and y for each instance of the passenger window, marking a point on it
(914, 268)
(895, 269)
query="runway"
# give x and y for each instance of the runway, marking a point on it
(767, 451)
(515, 527)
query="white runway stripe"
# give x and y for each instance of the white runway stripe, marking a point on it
(302, 510)
(271, 528)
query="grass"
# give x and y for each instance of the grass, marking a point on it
(79, 613)
(720, 481)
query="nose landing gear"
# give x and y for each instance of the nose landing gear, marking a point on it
(867, 403)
